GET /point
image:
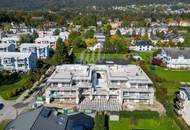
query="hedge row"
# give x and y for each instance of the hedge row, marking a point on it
(139, 114)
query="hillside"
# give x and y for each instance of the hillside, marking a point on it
(38, 4)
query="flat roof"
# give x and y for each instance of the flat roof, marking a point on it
(130, 73)
(64, 73)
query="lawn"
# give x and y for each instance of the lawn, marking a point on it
(92, 57)
(3, 124)
(146, 56)
(158, 123)
(6, 89)
(173, 75)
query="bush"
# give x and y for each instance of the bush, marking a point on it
(139, 114)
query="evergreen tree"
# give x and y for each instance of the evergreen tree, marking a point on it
(61, 55)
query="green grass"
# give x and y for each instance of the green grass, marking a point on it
(92, 57)
(3, 124)
(173, 75)
(5, 89)
(157, 124)
(146, 56)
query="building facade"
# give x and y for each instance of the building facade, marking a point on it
(7, 47)
(42, 51)
(17, 61)
(175, 57)
(119, 83)
(183, 103)
(50, 40)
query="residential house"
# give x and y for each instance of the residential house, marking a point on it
(4, 47)
(45, 33)
(100, 39)
(183, 103)
(17, 61)
(64, 35)
(175, 57)
(184, 23)
(95, 46)
(42, 51)
(50, 119)
(142, 46)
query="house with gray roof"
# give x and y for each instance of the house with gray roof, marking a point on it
(50, 119)
(175, 57)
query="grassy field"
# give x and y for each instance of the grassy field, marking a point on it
(5, 89)
(92, 57)
(173, 75)
(3, 124)
(153, 124)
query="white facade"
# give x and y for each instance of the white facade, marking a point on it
(6, 47)
(50, 40)
(175, 57)
(120, 83)
(95, 46)
(10, 40)
(183, 104)
(45, 33)
(64, 35)
(17, 61)
(42, 51)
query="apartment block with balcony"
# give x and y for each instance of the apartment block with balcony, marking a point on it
(109, 83)
(6, 47)
(42, 51)
(183, 103)
(17, 61)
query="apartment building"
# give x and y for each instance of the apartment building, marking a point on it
(4, 47)
(50, 40)
(183, 103)
(42, 51)
(17, 61)
(118, 83)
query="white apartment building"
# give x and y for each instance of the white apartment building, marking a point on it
(122, 84)
(4, 47)
(42, 51)
(50, 40)
(10, 40)
(175, 57)
(17, 61)
(183, 103)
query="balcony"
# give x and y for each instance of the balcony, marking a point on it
(179, 97)
(179, 105)
(136, 96)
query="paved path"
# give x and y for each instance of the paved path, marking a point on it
(10, 112)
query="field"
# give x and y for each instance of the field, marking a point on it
(6, 89)
(173, 75)
(92, 57)
(158, 124)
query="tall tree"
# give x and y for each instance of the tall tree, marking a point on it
(61, 55)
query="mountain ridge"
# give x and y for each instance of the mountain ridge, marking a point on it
(38, 4)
